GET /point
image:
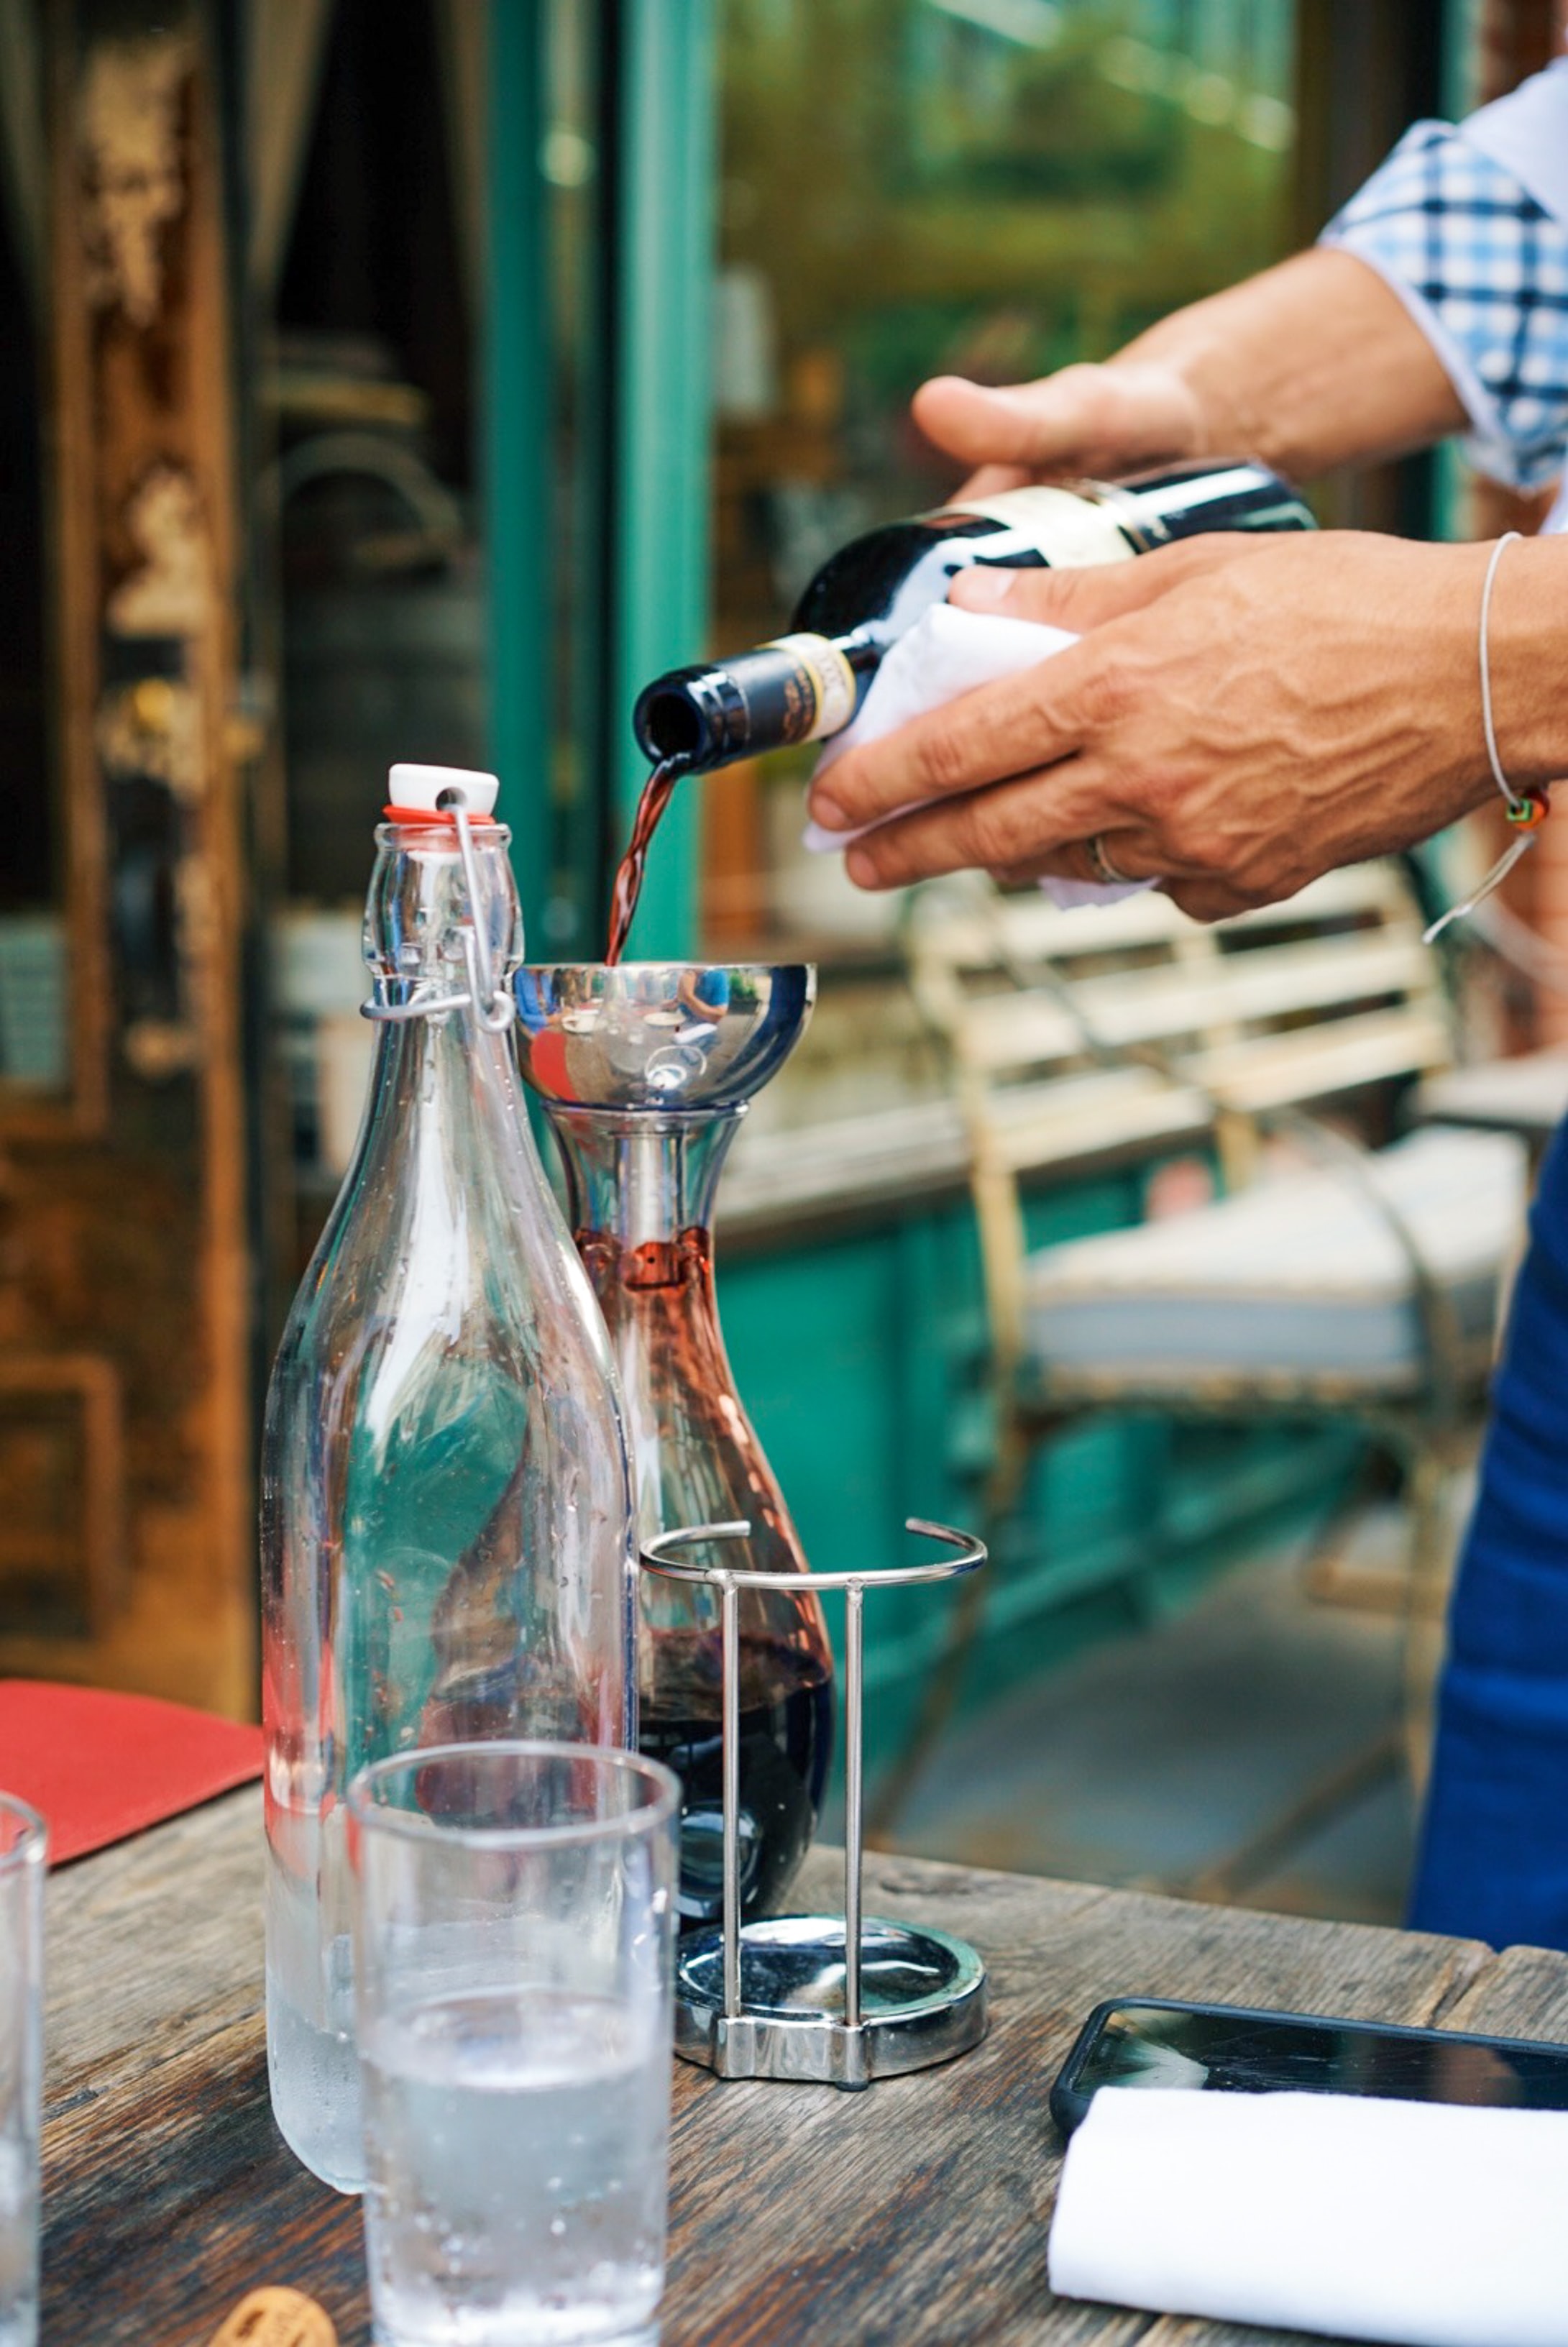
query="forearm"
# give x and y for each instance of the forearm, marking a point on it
(1313, 364)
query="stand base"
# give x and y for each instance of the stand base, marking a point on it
(922, 2001)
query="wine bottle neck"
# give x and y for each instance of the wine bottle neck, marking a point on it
(799, 688)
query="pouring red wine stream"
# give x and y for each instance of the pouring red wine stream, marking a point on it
(657, 793)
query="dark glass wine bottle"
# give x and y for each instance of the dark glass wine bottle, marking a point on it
(808, 684)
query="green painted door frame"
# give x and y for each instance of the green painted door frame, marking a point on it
(666, 86)
(644, 456)
(514, 377)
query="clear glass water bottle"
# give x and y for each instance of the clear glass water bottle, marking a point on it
(446, 1500)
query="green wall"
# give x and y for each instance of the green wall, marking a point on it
(857, 1360)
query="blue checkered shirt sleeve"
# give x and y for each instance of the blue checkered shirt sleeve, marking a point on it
(1483, 269)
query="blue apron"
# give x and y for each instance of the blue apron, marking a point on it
(1494, 1862)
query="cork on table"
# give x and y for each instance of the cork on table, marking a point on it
(914, 2215)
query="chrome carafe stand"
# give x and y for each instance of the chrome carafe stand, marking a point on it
(839, 2000)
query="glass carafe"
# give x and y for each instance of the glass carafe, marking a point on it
(645, 1071)
(446, 1500)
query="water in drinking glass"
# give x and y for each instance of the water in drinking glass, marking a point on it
(516, 2155)
(24, 1841)
(514, 1938)
(18, 2242)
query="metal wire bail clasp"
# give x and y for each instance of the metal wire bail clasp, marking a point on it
(843, 2002)
(493, 1007)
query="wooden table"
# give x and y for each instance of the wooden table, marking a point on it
(911, 2216)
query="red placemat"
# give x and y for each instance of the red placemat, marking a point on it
(99, 1766)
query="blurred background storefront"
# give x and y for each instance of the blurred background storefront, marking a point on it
(413, 378)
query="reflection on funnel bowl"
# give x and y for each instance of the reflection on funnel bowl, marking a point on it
(672, 1070)
(659, 1035)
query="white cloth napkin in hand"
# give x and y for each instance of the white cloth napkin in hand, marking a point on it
(1425, 2223)
(948, 652)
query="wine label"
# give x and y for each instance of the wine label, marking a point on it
(829, 678)
(1071, 531)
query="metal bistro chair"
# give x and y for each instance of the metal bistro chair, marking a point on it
(1364, 1287)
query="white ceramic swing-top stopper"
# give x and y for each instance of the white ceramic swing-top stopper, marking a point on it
(419, 788)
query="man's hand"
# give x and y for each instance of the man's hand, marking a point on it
(1313, 362)
(1243, 714)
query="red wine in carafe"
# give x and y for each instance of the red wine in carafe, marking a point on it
(785, 1738)
(687, 1426)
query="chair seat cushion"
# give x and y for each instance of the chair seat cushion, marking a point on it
(1299, 1279)
(1527, 1095)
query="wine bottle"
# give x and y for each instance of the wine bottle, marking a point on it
(809, 683)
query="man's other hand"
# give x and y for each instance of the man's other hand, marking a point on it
(1086, 419)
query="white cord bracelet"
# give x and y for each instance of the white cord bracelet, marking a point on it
(1519, 809)
(1528, 809)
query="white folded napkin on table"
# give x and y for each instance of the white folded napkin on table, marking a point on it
(1425, 2223)
(948, 652)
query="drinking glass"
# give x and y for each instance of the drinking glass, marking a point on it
(514, 1933)
(24, 1838)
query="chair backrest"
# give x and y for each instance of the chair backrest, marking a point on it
(1073, 1035)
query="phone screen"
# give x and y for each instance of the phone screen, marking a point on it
(1251, 2053)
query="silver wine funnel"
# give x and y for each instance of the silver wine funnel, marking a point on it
(678, 1036)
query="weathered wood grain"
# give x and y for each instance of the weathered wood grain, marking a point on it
(152, 1945)
(920, 2211)
(1523, 1993)
(914, 2213)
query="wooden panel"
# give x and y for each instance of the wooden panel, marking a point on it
(62, 1491)
(913, 2215)
(123, 1225)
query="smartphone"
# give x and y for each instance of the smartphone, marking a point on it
(1153, 2041)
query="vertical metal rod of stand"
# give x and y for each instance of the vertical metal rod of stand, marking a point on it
(854, 1659)
(732, 1626)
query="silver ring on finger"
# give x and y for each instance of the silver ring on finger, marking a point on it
(1105, 871)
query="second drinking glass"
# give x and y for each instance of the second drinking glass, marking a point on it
(514, 1936)
(23, 1841)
